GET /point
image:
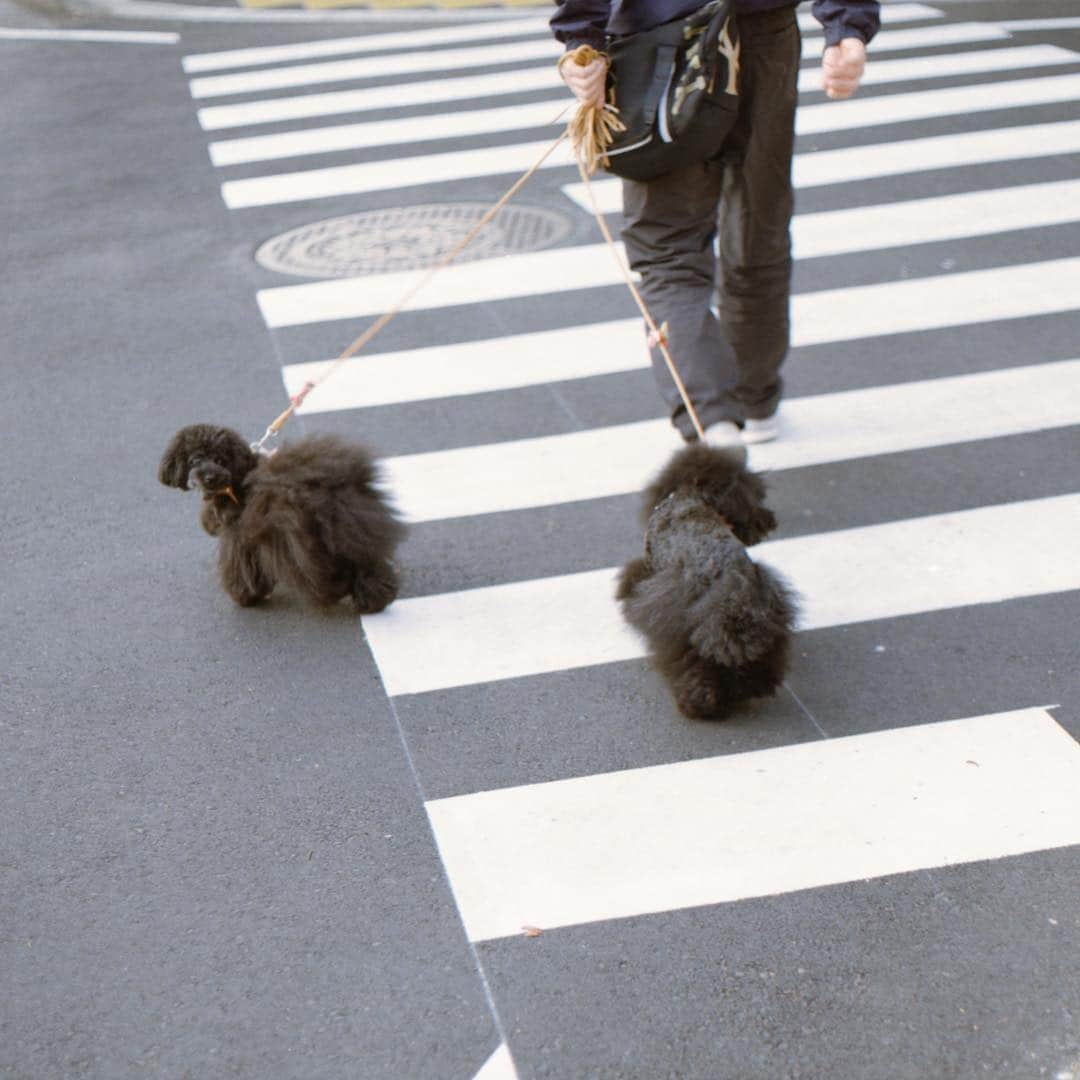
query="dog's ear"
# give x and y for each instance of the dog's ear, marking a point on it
(758, 523)
(173, 469)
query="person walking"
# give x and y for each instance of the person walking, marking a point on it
(727, 315)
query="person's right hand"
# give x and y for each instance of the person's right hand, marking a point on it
(586, 83)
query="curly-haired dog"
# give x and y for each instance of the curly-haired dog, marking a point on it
(718, 624)
(309, 517)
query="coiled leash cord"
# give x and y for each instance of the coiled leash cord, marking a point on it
(580, 131)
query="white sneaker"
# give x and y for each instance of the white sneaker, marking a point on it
(724, 433)
(758, 431)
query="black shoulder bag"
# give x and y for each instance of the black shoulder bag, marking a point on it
(675, 87)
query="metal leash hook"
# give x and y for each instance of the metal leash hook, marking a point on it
(294, 402)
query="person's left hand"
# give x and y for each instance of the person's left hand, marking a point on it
(842, 67)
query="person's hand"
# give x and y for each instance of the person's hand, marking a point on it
(585, 83)
(842, 67)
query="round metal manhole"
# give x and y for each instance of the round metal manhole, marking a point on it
(408, 238)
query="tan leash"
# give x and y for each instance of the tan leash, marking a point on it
(582, 131)
(380, 323)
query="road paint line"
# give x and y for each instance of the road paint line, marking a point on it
(814, 235)
(513, 361)
(894, 159)
(372, 67)
(390, 175)
(367, 43)
(926, 221)
(666, 837)
(818, 429)
(169, 12)
(306, 106)
(500, 1066)
(930, 104)
(592, 266)
(411, 130)
(952, 65)
(865, 574)
(555, 270)
(830, 116)
(472, 367)
(127, 37)
(429, 92)
(890, 14)
(1067, 22)
(456, 124)
(923, 37)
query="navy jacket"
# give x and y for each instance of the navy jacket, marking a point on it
(586, 22)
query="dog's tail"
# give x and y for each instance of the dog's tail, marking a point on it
(743, 616)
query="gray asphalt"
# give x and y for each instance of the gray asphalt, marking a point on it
(214, 858)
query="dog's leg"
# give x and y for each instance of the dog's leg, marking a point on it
(631, 575)
(374, 587)
(241, 575)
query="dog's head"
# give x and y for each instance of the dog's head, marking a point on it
(214, 459)
(719, 477)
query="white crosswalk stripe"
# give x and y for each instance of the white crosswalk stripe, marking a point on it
(399, 95)
(519, 117)
(672, 836)
(404, 41)
(373, 68)
(594, 847)
(813, 119)
(824, 428)
(849, 576)
(899, 158)
(919, 304)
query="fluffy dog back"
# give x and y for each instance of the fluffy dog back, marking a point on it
(717, 623)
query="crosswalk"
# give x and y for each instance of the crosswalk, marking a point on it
(353, 123)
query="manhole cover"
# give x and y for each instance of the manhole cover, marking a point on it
(408, 238)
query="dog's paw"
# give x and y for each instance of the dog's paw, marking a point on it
(371, 594)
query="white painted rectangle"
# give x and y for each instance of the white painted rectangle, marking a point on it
(890, 14)
(404, 41)
(951, 65)
(545, 471)
(924, 303)
(919, 304)
(390, 175)
(119, 37)
(556, 270)
(885, 571)
(829, 116)
(851, 164)
(472, 367)
(921, 37)
(429, 92)
(928, 104)
(434, 91)
(927, 221)
(414, 129)
(458, 124)
(373, 67)
(667, 837)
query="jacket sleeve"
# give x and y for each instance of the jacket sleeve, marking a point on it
(848, 18)
(580, 22)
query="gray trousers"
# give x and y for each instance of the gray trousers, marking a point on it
(731, 367)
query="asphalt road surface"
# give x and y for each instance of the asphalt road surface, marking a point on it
(471, 837)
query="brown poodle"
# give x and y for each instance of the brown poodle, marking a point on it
(718, 624)
(309, 517)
